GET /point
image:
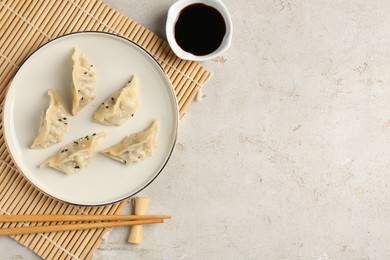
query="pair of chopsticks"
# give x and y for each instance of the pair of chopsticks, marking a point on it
(111, 221)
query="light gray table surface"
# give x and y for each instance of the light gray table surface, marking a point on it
(288, 154)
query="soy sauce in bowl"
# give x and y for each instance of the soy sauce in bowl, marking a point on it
(199, 29)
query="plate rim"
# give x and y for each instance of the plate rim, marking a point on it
(142, 49)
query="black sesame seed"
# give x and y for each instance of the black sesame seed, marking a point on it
(82, 98)
(64, 118)
(59, 119)
(112, 99)
(65, 123)
(106, 106)
(77, 167)
(91, 65)
(65, 150)
(75, 142)
(78, 90)
(85, 73)
(132, 115)
(93, 134)
(103, 103)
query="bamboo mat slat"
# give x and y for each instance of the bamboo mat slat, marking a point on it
(24, 26)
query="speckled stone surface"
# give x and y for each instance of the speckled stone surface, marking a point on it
(288, 154)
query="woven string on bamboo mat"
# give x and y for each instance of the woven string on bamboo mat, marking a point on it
(24, 26)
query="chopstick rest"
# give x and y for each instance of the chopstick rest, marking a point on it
(140, 207)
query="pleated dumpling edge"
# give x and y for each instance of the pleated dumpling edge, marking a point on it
(84, 82)
(53, 124)
(135, 147)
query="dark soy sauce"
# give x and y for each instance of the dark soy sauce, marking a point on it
(200, 29)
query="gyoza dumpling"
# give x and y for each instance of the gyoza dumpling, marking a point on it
(76, 155)
(54, 123)
(84, 82)
(120, 106)
(135, 147)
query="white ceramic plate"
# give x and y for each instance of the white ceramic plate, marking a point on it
(115, 59)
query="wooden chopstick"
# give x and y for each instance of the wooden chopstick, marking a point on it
(70, 227)
(60, 218)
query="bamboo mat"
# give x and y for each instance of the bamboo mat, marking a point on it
(24, 26)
